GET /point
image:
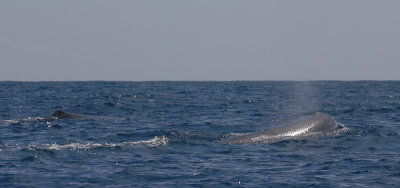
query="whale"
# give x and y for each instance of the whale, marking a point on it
(317, 124)
(59, 114)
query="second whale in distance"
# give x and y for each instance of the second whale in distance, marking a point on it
(59, 114)
(317, 123)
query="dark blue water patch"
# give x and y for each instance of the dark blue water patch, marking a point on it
(169, 134)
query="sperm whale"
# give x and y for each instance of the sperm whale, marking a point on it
(316, 123)
(59, 114)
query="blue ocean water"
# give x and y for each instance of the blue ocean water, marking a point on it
(169, 134)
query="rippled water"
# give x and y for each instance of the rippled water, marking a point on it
(168, 134)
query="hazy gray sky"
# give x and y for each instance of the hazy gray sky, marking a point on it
(199, 40)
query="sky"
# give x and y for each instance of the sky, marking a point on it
(151, 40)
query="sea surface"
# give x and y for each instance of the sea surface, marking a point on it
(171, 134)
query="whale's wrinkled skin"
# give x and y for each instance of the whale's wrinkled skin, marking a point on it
(317, 123)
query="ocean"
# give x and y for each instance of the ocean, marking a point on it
(171, 134)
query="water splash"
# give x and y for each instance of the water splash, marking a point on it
(156, 141)
(5, 123)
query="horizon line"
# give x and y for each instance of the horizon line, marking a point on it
(322, 80)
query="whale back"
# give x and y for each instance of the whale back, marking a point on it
(316, 123)
(319, 122)
(59, 114)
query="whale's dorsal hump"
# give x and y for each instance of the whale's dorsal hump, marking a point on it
(59, 114)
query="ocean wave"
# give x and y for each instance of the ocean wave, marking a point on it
(156, 141)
